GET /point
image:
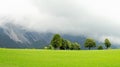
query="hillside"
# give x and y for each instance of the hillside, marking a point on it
(16, 36)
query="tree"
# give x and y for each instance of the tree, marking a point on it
(56, 41)
(64, 44)
(76, 46)
(107, 43)
(100, 48)
(72, 46)
(68, 44)
(89, 43)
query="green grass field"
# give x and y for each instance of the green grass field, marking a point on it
(57, 58)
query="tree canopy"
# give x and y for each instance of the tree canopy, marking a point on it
(60, 43)
(56, 41)
(107, 43)
(89, 43)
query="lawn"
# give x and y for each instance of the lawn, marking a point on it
(57, 58)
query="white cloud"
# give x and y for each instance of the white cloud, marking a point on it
(113, 39)
(94, 18)
(17, 7)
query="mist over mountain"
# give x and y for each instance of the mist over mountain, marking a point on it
(16, 36)
(32, 21)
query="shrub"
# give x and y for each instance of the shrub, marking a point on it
(100, 48)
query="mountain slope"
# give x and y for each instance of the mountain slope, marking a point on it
(15, 36)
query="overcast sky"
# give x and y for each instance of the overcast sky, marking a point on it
(99, 19)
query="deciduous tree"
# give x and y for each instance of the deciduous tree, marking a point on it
(56, 41)
(107, 43)
(89, 43)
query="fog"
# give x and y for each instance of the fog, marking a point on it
(98, 19)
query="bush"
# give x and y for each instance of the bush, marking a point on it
(49, 47)
(100, 48)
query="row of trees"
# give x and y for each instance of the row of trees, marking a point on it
(58, 42)
(89, 43)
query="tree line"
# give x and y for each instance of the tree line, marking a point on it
(59, 43)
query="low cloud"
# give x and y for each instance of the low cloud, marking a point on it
(93, 18)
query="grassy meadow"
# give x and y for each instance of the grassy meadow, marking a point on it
(59, 58)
